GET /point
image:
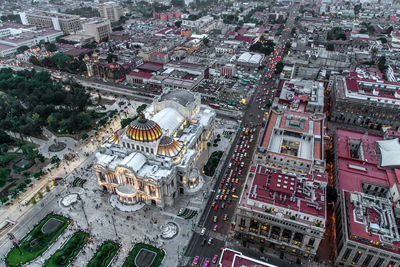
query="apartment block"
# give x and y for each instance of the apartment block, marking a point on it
(57, 21)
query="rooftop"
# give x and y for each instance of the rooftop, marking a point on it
(232, 258)
(182, 97)
(358, 168)
(285, 131)
(270, 188)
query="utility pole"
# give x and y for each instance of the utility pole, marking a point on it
(84, 213)
(115, 229)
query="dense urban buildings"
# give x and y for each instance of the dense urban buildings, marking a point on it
(200, 133)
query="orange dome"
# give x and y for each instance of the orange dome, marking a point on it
(144, 130)
(168, 147)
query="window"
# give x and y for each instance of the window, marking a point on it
(367, 260)
(147, 149)
(357, 257)
(346, 255)
(378, 262)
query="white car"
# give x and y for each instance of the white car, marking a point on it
(203, 231)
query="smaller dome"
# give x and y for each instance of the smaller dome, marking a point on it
(169, 147)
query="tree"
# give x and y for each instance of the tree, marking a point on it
(279, 67)
(178, 23)
(47, 188)
(383, 40)
(33, 200)
(206, 41)
(330, 47)
(331, 194)
(382, 64)
(4, 174)
(39, 194)
(51, 47)
(22, 49)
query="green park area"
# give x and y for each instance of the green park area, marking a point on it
(37, 240)
(104, 254)
(144, 255)
(68, 252)
(212, 163)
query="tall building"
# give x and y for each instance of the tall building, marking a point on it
(111, 11)
(57, 21)
(153, 159)
(283, 210)
(99, 28)
(367, 177)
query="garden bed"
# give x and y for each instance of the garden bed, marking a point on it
(68, 252)
(212, 163)
(104, 254)
(36, 241)
(143, 255)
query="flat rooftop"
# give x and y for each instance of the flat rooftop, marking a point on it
(304, 194)
(368, 216)
(285, 134)
(14, 40)
(233, 258)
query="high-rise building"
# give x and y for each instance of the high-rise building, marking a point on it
(99, 28)
(111, 11)
(57, 21)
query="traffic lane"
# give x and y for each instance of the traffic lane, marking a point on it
(206, 253)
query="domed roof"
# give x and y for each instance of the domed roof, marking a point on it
(144, 130)
(169, 147)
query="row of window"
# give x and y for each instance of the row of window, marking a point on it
(140, 148)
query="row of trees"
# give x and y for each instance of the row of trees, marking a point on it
(32, 100)
(61, 61)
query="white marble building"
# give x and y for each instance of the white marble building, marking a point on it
(152, 160)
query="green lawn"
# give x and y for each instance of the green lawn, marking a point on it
(130, 260)
(68, 252)
(31, 249)
(104, 254)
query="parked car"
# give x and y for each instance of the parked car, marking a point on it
(215, 228)
(215, 218)
(210, 241)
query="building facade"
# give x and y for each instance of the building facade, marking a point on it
(293, 141)
(367, 178)
(283, 210)
(153, 159)
(366, 102)
(57, 21)
(111, 11)
(99, 28)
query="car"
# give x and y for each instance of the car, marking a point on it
(206, 263)
(196, 260)
(216, 207)
(223, 191)
(210, 241)
(213, 204)
(225, 197)
(225, 217)
(203, 242)
(240, 171)
(215, 218)
(222, 205)
(227, 191)
(221, 185)
(233, 190)
(216, 198)
(203, 231)
(215, 228)
(220, 197)
(219, 191)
